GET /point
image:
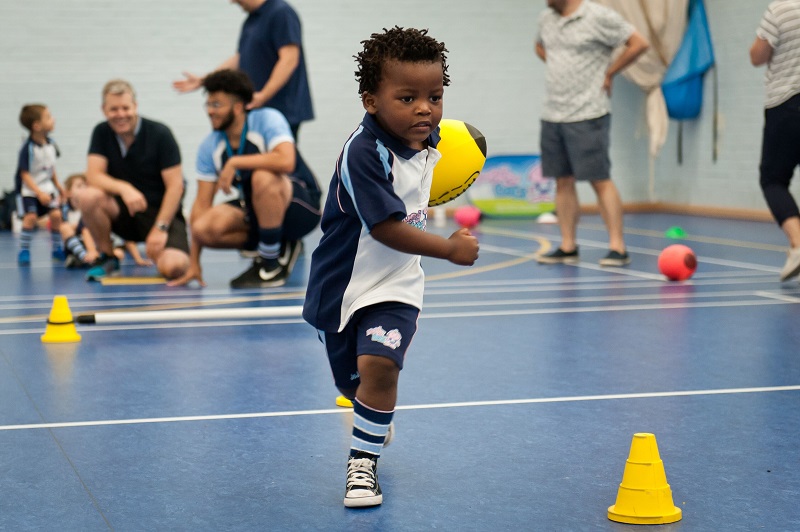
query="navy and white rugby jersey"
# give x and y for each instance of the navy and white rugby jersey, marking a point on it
(377, 177)
(39, 160)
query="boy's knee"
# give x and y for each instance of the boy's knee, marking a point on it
(91, 197)
(66, 230)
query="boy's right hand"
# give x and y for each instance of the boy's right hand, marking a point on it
(44, 198)
(463, 248)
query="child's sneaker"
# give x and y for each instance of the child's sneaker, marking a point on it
(104, 266)
(59, 255)
(362, 482)
(24, 257)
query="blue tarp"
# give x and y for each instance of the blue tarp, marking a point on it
(683, 81)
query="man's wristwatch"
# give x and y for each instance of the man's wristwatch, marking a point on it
(161, 226)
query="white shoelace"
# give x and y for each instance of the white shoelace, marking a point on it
(360, 472)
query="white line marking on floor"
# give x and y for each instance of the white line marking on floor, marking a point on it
(465, 404)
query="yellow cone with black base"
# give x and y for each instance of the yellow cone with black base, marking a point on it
(644, 497)
(60, 325)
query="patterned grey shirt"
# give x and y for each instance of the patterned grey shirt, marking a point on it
(780, 27)
(578, 52)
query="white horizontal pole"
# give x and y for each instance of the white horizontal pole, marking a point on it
(192, 314)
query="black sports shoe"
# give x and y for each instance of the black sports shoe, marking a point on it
(290, 251)
(74, 263)
(362, 482)
(559, 256)
(105, 266)
(261, 274)
(615, 258)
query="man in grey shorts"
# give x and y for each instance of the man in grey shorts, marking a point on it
(575, 40)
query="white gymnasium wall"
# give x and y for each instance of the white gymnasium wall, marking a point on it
(733, 180)
(60, 52)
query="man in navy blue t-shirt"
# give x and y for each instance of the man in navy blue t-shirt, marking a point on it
(270, 52)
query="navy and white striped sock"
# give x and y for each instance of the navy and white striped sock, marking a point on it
(76, 247)
(25, 237)
(55, 239)
(369, 429)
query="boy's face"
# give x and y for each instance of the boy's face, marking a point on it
(75, 191)
(46, 122)
(120, 111)
(408, 102)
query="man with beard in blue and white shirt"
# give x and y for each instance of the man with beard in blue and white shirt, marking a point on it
(252, 153)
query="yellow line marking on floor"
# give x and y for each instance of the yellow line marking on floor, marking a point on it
(114, 281)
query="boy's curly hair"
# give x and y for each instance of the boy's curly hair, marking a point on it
(398, 44)
(233, 82)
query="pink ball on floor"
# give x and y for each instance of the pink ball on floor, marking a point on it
(467, 216)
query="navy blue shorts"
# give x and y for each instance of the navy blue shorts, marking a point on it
(28, 204)
(385, 329)
(578, 149)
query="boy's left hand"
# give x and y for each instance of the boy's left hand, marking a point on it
(464, 248)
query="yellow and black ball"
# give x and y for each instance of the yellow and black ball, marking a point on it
(463, 150)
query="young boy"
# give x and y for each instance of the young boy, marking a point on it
(366, 283)
(37, 186)
(81, 250)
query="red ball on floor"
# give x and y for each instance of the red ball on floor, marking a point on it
(677, 262)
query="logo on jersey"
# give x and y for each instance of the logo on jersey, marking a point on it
(417, 219)
(391, 339)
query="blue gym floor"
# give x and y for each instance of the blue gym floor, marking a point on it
(518, 403)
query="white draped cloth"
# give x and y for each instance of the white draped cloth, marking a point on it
(662, 22)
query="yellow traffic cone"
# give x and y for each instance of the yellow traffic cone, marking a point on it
(60, 325)
(344, 402)
(644, 497)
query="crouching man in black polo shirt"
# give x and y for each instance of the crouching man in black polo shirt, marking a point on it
(136, 187)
